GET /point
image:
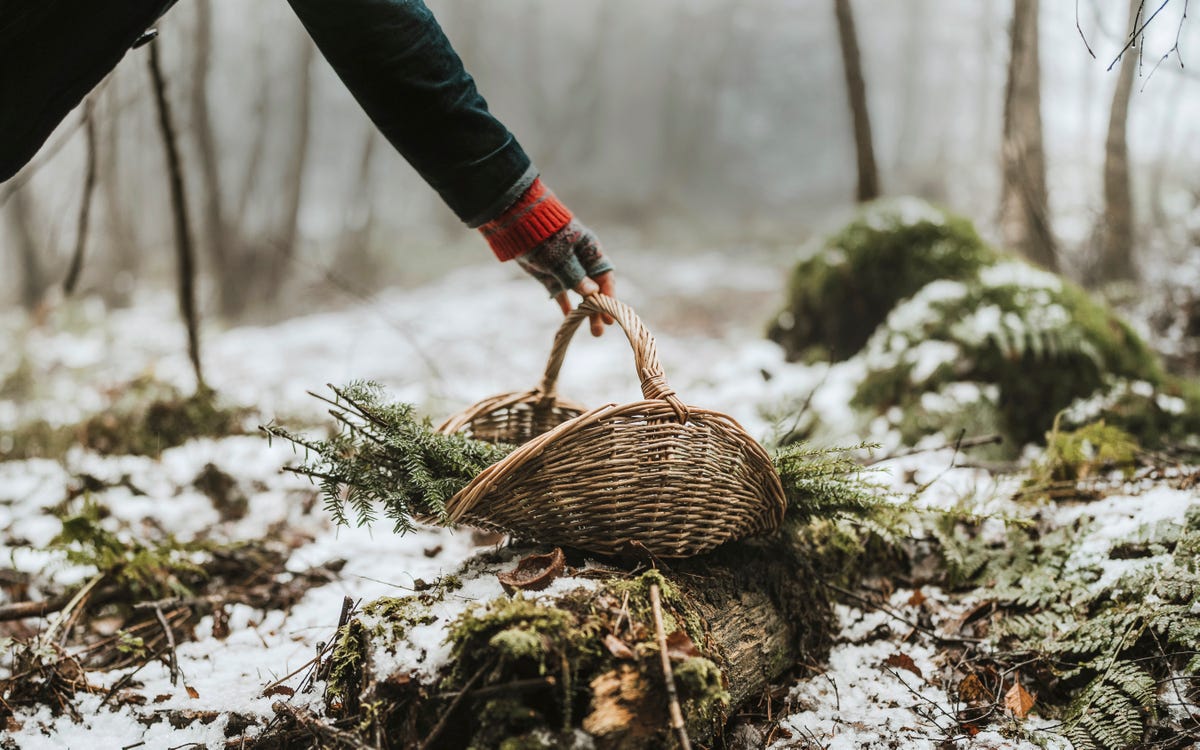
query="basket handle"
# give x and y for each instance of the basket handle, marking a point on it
(645, 353)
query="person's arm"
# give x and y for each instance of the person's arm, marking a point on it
(399, 65)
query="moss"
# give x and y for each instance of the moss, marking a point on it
(1022, 342)
(702, 686)
(145, 419)
(394, 616)
(518, 643)
(838, 297)
(1078, 454)
(677, 613)
(1157, 415)
(346, 667)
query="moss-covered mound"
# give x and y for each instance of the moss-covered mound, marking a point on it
(840, 295)
(1007, 350)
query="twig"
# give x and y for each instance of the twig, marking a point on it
(22, 610)
(892, 613)
(80, 596)
(1080, 30)
(669, 678)
(442, 722)
(174, 661)
(959, 445)
(1137, 31)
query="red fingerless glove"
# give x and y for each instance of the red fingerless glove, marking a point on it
(529, 222)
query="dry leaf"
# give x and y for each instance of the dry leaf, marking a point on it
(162, 697)
(903, 661)
(971, 690)
(534, 572)
(617, 647)
(279, 690)
(1018, 700)
(917, 599)
(191, 691)
(680, 646)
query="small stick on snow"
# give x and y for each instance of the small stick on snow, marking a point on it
(672, 696)
(174, 662)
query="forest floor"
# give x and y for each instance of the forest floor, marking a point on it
(888, 681)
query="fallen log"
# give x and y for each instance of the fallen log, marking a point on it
(579, 662)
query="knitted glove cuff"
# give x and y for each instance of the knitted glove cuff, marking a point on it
(529, 222)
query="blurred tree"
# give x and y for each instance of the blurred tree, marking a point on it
(288, 233)
(1024, 207)
(214, 232)
(22, 218)
(1115, 260)
(856, 88)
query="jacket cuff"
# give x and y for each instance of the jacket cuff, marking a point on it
(529, 222)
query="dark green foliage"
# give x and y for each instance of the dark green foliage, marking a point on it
(146, 571)
(838, 297)
(1031, 344)
(384, 455)
(827, 482)
(1161, 415)
(1116, 650)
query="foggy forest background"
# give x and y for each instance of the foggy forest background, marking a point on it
(668, 126)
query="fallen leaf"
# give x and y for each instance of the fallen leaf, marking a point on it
(917, 599)
(903, 661)
(279, 690)
(617, 647)
(433, 551)
(1018, 700)
(162, 697)
(971, 690)
(970, 729)
(534, 572)
(191, 691)
(680, 646)
(13, 725)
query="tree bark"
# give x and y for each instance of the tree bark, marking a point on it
(1024, 205)
(215, 235)
(33, 279)
(1115, 261)
(293, 180)
(185, 253)
(856, 88)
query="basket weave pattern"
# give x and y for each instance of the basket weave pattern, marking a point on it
(653, 475)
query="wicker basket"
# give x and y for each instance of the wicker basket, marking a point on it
(651, 476)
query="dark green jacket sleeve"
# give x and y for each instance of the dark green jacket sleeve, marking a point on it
(395, 59)
(52, 53)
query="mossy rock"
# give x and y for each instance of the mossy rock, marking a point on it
(840, 295)
(1024, 342)
(1160, 414)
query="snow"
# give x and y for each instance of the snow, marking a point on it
(443, 346)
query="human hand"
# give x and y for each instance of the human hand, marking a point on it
(571, 258)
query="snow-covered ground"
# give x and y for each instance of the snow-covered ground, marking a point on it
(472, 334)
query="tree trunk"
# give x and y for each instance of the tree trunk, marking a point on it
(1024, 206)
(214, 236)
(293, 180)
(185, 254)
(856, 88)
(737, 619)
(1115, 261)
(33, 279)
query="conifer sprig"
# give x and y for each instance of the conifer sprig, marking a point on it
(384, 455)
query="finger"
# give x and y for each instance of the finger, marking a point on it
(608, 287)
(587, 287)
(597, 323)
(564, 303)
